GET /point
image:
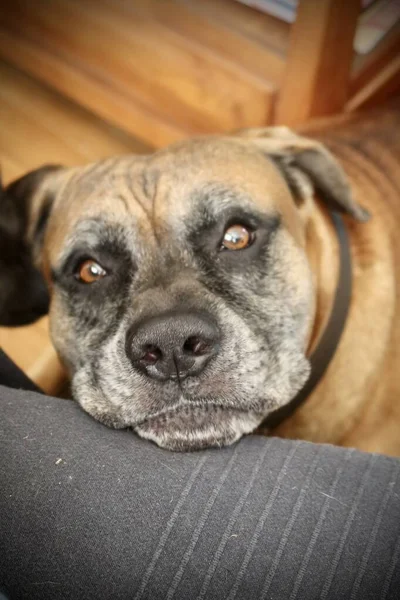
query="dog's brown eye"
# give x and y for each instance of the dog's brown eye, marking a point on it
(237, 237)
(90, 271)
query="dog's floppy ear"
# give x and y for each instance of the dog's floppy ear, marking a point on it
(28, 204)
(25, 206)
(307, 166)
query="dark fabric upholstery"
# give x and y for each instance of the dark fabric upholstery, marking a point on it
(90, 513)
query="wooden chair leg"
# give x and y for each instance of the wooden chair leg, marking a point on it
(319, 63)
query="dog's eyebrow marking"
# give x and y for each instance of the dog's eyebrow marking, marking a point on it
(92, 235)
(217, 202)
(215, 198)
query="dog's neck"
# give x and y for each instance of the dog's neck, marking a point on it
(322, 247)
(328, 247)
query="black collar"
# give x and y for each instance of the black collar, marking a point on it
(325, 350)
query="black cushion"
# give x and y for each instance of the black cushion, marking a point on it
(91, 513)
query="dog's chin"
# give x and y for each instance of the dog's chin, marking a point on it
(190, 428)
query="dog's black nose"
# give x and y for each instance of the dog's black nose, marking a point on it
(172, 346)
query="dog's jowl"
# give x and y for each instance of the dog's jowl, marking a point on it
(188, 287)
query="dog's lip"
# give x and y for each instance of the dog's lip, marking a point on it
(190, 407)
(202, 427)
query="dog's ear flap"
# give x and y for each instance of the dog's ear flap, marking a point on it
(25, 206)
(307, 166)
(28, 202)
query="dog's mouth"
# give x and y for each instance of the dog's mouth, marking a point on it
(196, 427)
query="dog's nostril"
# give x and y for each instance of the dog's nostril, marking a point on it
(173, 346)
(151, 355)
(197, 346)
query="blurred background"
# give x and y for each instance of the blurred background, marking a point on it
(162, 70)
(84, 79)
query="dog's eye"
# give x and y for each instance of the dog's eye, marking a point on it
(90, 271)
(237, 237)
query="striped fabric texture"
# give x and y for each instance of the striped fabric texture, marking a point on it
(90, 513)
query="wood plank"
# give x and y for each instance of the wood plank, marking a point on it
(225, 40)
(132, 58)
(385, 84)
(87, 91)
(54, 129)
(245, 22)
(368, 66)
(256, 41)
(38, 126)
(319, 60)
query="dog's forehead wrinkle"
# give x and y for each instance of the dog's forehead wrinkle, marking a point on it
(142, 187)
(149, 178)
(87, 179)
(155, 199)
(104, 179)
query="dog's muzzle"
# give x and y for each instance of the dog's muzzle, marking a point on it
(171, 347)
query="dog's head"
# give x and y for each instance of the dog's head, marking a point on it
(181, 293)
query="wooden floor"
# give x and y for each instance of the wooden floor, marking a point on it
(36, 127)
(164, 70)
(160, 69)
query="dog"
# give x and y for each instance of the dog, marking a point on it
(24, 295)
(189, 287)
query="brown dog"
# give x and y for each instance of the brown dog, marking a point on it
(189, 287)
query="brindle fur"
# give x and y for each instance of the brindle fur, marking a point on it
(155, 223)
